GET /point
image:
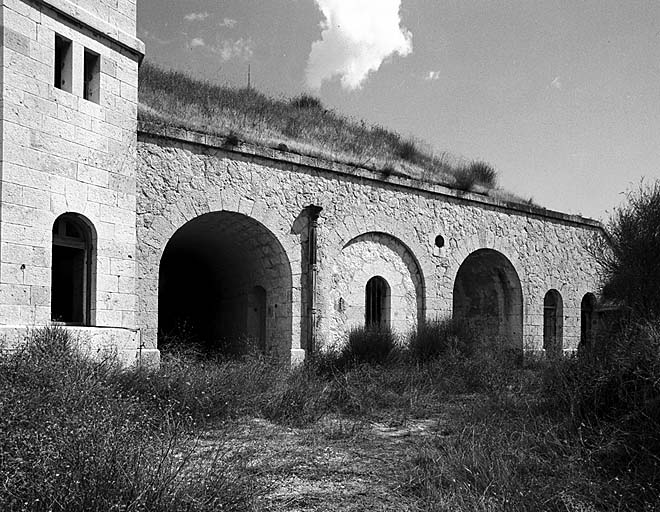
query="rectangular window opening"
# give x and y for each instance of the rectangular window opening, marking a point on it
(63, 65)
(92, 76)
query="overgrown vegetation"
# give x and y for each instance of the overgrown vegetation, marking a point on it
(302, 125)
(629, 259)
(580, 433)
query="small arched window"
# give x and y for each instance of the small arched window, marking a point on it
(553, 323)
(377, 302)
(72, 270)
(587, 308)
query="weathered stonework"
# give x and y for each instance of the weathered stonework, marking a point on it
(188, 230)
(367, 227)
(63, 153)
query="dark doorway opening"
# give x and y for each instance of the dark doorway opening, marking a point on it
(377, 302)
(72, 270)
(553, 324)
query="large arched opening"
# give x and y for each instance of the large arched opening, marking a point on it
(225, 284)
(488, 298)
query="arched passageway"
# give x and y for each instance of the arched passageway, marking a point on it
(225, 283)
(488, 297)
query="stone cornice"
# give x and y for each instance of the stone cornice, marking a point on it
(224, 144)
(89, 20)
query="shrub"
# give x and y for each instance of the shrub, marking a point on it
(483, 173)
(306, 101)
(629, 257)
(407, 150)
(464, 179)
(441, 337)
(373, 344)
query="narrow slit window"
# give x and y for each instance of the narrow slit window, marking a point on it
(92, 77)
(63, 66)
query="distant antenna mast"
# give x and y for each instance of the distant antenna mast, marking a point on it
(249, 77)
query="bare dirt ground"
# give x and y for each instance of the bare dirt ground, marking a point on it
(335, 464)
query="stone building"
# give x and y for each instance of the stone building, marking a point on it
(122, 231)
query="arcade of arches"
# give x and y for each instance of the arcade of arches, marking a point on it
(224, 277)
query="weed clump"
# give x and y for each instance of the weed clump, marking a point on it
(75, 437)
(484, 174)
(435, 338)
(306, 101)
(371, 344)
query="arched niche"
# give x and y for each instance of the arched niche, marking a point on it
(487, 296)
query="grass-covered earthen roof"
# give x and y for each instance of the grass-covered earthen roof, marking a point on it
(301, 125)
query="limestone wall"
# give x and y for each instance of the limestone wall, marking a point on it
(63, 153)
(368, 226)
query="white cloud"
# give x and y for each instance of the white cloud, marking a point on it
(433, 75)
(556, 83)
(228, 22)
(196, 16)
(196, 42)
(238, 49)
(357, 36)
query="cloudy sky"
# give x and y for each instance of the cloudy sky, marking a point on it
(561, 96)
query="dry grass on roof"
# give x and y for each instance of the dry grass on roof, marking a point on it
(301, 125)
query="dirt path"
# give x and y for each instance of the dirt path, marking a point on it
(337, 464)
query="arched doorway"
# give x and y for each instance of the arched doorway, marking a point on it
(488, 298)
(73, 268)
(377, 303)
(225, 283)
(587, 319)
(553, 324)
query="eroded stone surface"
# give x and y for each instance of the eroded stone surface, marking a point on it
(367, 227)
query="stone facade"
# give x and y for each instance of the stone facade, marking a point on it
(369, 226)
(152, 229)
(64, 152)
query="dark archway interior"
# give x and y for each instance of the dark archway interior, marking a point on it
(225, 283)
(553, 323)
(488, 297)
(72, 268)
(587, 319)
(377, 301)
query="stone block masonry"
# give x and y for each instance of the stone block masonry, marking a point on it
(68, 149)
(132, 237)
(369, 227)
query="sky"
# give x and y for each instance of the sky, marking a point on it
(562, 97)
